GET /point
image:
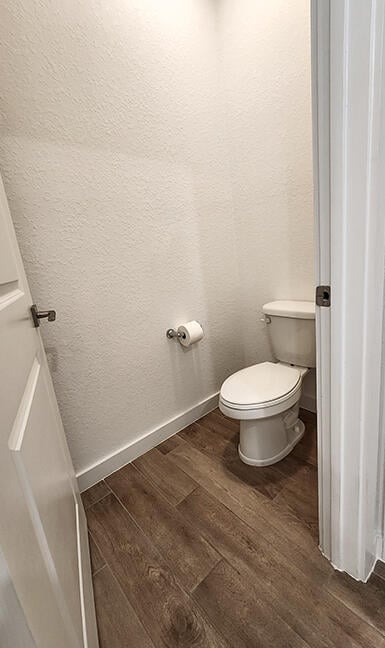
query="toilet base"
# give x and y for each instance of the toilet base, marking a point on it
(271, 444)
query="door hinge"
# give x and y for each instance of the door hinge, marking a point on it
(322, 296)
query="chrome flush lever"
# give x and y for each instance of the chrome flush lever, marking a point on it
(50, 315)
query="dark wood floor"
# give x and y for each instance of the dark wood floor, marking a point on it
(191, 547)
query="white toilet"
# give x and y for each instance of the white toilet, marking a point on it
(265, 397)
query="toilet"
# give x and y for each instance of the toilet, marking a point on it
(265, 397)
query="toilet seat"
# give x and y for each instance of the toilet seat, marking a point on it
(259, 391)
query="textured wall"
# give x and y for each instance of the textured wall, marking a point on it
(135, 211)
(267, 92)
(265, 71)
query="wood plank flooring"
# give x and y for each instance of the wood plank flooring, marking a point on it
(191, 547)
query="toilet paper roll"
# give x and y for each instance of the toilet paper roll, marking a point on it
(190, 333)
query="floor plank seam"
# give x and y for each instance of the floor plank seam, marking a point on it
(174, 577)
(243, 520)
(97, 571)
(100, 498)
(221, 559)
(186, 496)
(128, 601)
(155, 485)
(159, 492)
(185, 590)
(204, 612)
(131, 517)
(367, 622)
(240, 576)
(211, 494)
(218, 550)
(239, 504)
(95, 543)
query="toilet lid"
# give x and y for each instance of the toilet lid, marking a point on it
(260, 384)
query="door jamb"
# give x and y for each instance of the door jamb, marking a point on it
(321, 172)
(348, 131)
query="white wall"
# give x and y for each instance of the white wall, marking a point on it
(157, 161)
(265, 69)
(267, 90)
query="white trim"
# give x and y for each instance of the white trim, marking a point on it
(320, 39)
(86, 586)
(101, 469)
(371, 437)
(352, 135)
(348, 131)
(381, 461)
(10, 298)
(81, 574)
(357, 278)
(381, 454)
(21, 419)
(45, 550)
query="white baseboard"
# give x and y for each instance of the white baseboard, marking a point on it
(308, 403)
(380, 548)
(101, 469)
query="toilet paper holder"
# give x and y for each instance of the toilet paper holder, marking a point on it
(186, 334)
(172, 333)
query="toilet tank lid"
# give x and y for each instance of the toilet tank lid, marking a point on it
(297, 309)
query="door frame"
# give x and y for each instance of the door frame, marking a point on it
(349, 163)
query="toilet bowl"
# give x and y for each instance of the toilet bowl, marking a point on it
(265, 397)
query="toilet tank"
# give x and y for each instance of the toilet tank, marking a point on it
(291, 328)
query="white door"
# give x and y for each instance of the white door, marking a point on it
(43, 533)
